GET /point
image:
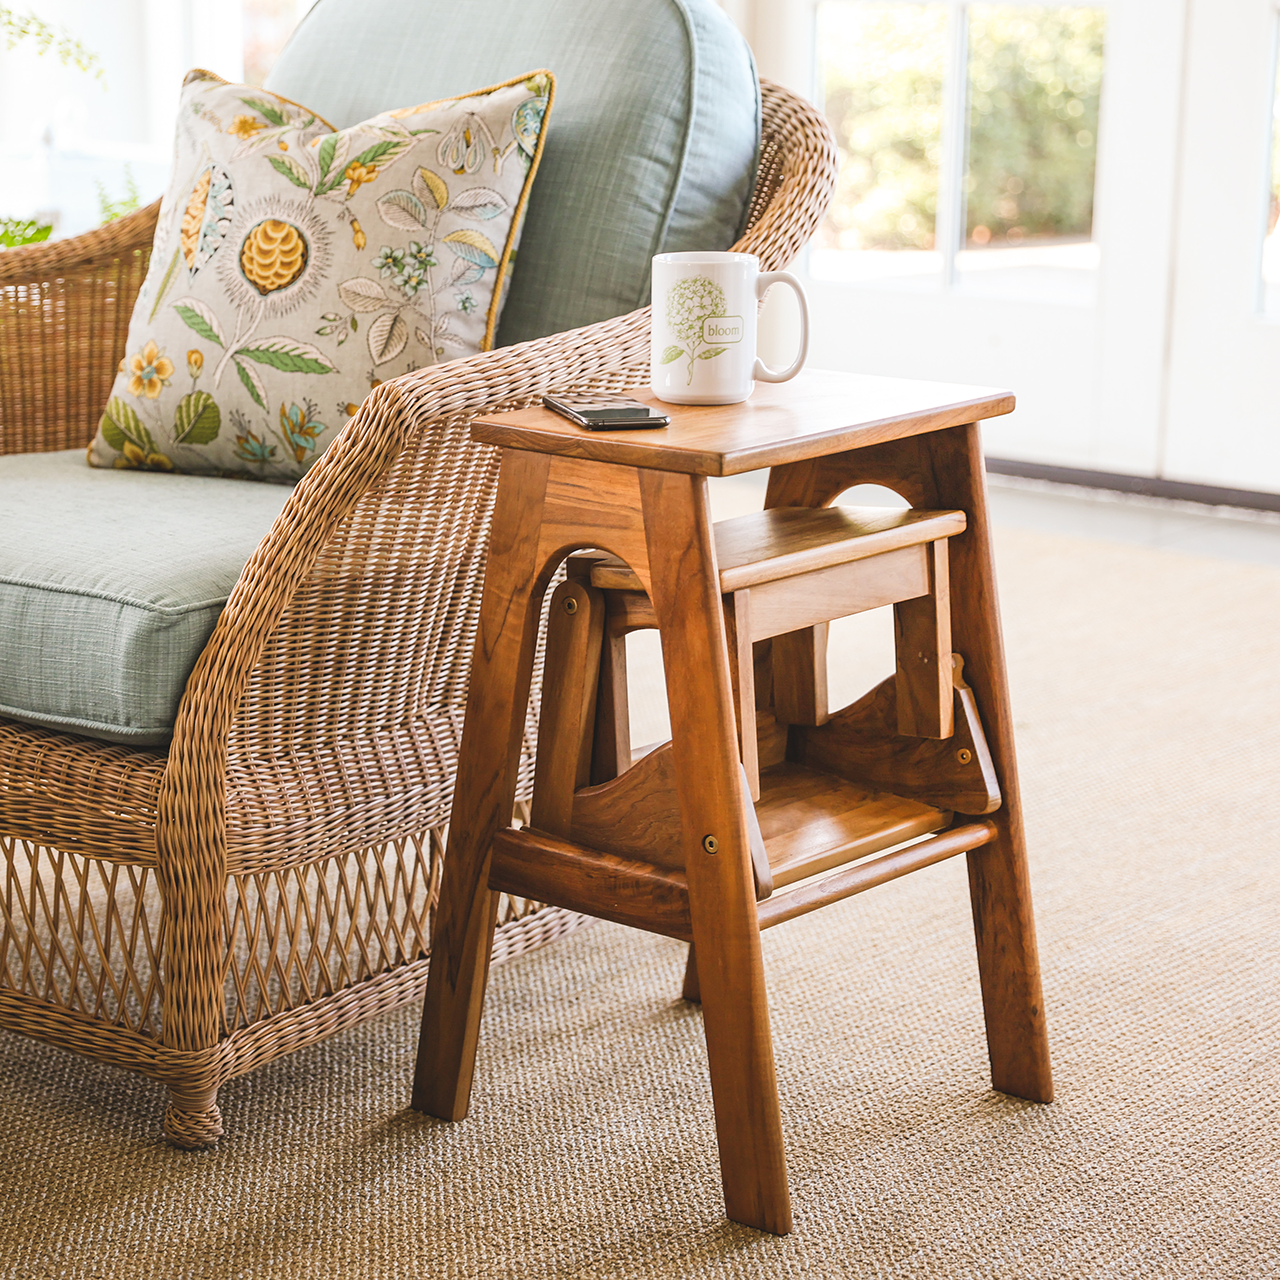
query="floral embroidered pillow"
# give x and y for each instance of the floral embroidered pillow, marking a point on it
(295, 266)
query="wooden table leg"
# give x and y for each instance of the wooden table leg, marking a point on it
(497, 700)
(999, 886)
(686, 596)
(942, 470)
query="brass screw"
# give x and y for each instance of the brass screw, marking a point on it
(711, 844)
(570, 605)
(964, 755)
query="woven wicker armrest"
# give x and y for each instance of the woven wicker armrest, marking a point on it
(325, 711)
(64, 318)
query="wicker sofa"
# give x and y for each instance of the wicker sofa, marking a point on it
(190, 913)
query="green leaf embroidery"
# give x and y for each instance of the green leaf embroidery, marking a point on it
(195, 315)
(165, 283)
(119, 423)
(252, 383)
(711, 352)
(266, 109)
(672, 353)
(288, 356)
(325, 156)
(197, 420)
(290, 169)
(380, 149)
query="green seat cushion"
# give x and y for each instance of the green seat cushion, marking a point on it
(651, 148)
(111, 583)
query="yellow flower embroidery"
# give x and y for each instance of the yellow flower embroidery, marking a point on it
(151, 371)
(195, 362)
(357, 234)
(244, 127)
(134, 459)
(357, 175)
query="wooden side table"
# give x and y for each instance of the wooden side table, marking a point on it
(675, 843)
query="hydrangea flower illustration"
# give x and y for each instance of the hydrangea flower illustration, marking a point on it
(689, 303)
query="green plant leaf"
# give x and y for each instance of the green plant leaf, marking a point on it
(672, 353)
(713, 351)
(252, 384)
(196, 315)
(288, 355)
(197, 420)
(119, 423)
(273, 114)
(289, 168)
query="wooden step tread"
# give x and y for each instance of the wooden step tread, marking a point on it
(813, 821)
(766, 546)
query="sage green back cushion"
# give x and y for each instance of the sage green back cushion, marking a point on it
(651, 148)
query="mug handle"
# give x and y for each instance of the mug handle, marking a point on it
(762, 370)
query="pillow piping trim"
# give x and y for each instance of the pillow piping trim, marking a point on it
(517, 220)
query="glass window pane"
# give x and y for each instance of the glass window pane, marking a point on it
(881, 68)
(1035, 76)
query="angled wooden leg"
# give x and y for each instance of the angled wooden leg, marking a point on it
(942, 470)
(716, 850)
(999, 887)
(691, 991)
(496, 704)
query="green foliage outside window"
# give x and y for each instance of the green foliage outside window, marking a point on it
(112, 209)
(1035, 76)
(15, 232)
(1034, 81)
(17, 26)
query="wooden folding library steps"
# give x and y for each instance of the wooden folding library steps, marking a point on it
(763, 806)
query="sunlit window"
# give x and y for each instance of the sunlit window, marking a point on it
(268, 24)
(968, 140)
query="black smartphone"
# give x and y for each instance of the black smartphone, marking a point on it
(599, 411)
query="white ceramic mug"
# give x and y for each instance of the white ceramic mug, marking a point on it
(703, 347)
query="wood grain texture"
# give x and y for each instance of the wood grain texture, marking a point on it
(764, 546)
(790, 604)
(611, 743)
(566, 729)
(502, 671)
(742, 681)
(815, 414)
(800, 676)
(922, 645)
(685, 593)
(635, 815)
(861, 743)
(787, 541)
(814, 821)
(878, 871)
(534, 864)
(945, 469)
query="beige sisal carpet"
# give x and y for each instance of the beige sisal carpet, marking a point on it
(1147, 692)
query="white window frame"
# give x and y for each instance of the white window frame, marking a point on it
(949, 220)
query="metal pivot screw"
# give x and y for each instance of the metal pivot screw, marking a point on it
(570, 605)
(711, 844)
(964, 755)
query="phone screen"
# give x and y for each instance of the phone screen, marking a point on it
(602, 411)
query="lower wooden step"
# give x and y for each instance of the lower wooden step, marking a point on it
(812, 821)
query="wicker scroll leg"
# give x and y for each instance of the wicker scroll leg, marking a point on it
(192, 1119)
(722, 896)
(496, 700)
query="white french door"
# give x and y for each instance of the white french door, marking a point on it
(1223, 412)
(1167, 364)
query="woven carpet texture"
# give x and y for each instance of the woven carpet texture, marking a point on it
(1147, 698)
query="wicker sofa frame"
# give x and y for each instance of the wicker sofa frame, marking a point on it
(269, 879)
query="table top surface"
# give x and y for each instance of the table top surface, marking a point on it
(818, 413)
